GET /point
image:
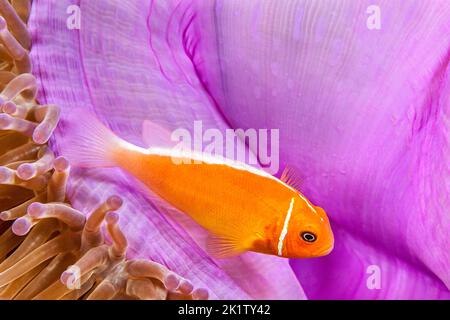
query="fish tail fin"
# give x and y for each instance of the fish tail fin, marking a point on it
(87, 142)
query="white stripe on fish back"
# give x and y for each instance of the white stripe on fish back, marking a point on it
(285, 228)
(196, 156)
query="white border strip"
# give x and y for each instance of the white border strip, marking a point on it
(285, 228)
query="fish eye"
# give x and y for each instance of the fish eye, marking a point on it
(308, 236)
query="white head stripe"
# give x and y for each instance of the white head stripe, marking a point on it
(285, 228)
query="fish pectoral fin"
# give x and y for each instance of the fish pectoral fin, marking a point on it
(223, 247)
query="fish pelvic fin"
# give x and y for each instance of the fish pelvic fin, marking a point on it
(219, 246)
(87, 142)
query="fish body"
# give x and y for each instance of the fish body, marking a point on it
(243, 208)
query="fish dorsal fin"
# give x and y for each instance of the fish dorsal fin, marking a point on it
(292, 178)
(155, 135)
(223, 247)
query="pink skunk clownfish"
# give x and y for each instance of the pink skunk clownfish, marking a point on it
(243, 208)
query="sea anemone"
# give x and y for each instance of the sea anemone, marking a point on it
(48, 249)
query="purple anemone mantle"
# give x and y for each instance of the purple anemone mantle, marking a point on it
(363, 115)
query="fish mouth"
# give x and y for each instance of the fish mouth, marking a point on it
(325, 251)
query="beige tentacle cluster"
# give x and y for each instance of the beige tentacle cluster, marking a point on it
(49, 250)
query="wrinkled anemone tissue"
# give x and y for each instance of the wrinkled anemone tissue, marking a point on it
(353, 97)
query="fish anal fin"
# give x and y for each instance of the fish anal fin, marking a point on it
(291, 177)
(222, 246)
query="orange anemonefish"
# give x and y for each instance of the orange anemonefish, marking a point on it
(243, 208)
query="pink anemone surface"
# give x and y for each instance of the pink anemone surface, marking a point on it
(363, 116)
